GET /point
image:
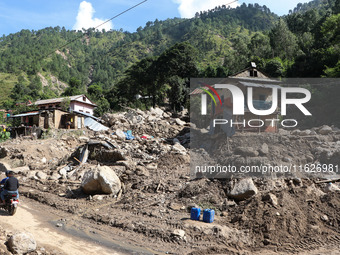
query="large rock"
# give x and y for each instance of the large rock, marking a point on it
(180, 122)
(3, 152)
(325, 130)
(157, 111)
(4, 167)
(120, 134)
(41, 175)
(243, 189)
(177, 148)
(246, 152)
(22, 243)
(101, 180)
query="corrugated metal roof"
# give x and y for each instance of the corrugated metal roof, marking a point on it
(94, 125)
(86, 114)
(59, 100)
(26, 114)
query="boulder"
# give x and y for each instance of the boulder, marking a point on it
(325, 130)
(180, 122)
(157, 111)
(41, 175)
(63, 172)
(175, 140)
(21, 169)
(331, 187)
(22, 243)
(296, 132)
(179, 233)
(178, 149)
(101, 180)
(3, 152)
(243, 189)
(264, 149)
(4, 167)
(142, 171)
(271, 198)
(120, 134)
(305, 132)
(246, 152)
(84, 139)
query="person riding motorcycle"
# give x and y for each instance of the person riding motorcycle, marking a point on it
(11, 186)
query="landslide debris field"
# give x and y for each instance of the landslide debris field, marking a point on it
(140, 190)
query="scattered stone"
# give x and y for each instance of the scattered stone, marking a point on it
(325, 130)
(43, 160)
(331, 187)
(22, 243)
(120, 134)
(4, 167)
(324, 217)
(246, 152)
(175, 140)
(305, 132)
(296, 132)
(41, 175)
(84, 139)
(101, 180)
(59, 225)
(142, 171)
(180, 122)
(271, 198)
(63, 172)
(179, 233)
(3, 152)
(179, 149)
(243, 189)
(264, 149)
(98, 197)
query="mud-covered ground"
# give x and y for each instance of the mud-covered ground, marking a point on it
(155, 201)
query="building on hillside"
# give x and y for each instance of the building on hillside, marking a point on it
(262, 87)
(54, 118)
(51, 115)
(79, 103)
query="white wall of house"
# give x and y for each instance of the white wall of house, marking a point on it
(81, 107)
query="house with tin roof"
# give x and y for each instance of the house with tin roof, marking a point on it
(79, 103)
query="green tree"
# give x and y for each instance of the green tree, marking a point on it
(283, 41)
(75, 88)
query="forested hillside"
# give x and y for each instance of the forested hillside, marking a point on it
(156, 60)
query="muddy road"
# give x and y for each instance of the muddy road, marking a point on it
(62, 236)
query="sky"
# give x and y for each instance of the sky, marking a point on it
(77, 14)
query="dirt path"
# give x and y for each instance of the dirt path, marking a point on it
(37, 222)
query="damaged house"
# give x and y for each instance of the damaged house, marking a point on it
(50, 114)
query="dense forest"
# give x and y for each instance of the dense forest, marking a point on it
(112, 67)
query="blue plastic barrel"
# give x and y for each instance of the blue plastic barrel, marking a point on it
(208, 215)
(195, 213)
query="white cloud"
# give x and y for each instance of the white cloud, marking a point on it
(188, 8)
(85, 18)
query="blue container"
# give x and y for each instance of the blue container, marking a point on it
(208, 215)
(195, 213)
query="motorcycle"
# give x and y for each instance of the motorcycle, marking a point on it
(11, 203)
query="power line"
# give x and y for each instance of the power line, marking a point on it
(168, 28)
(114, 17)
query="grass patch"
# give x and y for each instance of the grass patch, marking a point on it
(7, 82)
